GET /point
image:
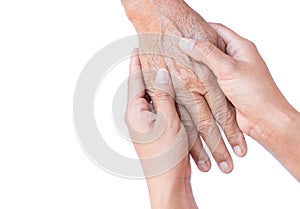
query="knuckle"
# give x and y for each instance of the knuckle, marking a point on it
(219, 25)
(207, 48)
(205, 126)
(220, 155)
(232, 63)
(199, 153)
(225, 118)
(249, 44)
(161, 96)
(234, 138)
(190, 128)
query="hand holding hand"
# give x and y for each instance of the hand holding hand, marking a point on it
(160, 140)
(262, 111)
(244, 78)
(201, 103)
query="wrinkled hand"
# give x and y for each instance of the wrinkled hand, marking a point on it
(159, 139)
(200, 101)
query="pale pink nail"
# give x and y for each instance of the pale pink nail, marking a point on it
(187, 44)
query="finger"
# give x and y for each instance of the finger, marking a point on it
(228, 35)
(139, 117)
(222, 110)
(210, 132)
(196, 148)
(200, 156)
(164, 95)
(223, 66)
(237, 47)
(136, 87)
(151, 63)
(189, 93)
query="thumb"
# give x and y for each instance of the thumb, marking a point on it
(220, 63)
(164, 94)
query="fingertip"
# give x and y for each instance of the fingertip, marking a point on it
(193, 48)
(240, 149)
(199, 50)
(135, 65)
(162, 77)
(135, 51)
(163, 98)
(135, 60)
(186, 44)
(204, 166)
(226, 167)
(163, 89)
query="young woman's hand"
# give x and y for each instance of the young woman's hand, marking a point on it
(262, 111)
(160, 140)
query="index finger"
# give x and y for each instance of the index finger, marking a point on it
(227, 34)
(233, 41)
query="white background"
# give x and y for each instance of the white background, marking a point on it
(44, 45)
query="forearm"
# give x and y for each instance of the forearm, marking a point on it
(168, 194)
(281, 138)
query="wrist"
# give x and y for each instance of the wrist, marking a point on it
(141, 9)
(171, 194)
(134, 6)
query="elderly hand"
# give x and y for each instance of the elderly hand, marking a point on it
(201, 103)
(159, 139)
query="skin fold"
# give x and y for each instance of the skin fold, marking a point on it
(201, 104)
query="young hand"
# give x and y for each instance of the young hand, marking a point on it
(159, 139)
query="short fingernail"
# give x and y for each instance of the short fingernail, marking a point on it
(187, 44)
(162, 76)
(203, 165)
(224, 166)
(238, 151)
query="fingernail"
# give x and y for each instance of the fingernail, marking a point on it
(162, 76)
(203, 165)
(187, 44)
(224, 166)
(238, 151)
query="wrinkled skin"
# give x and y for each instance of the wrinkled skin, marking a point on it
(200, 101)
